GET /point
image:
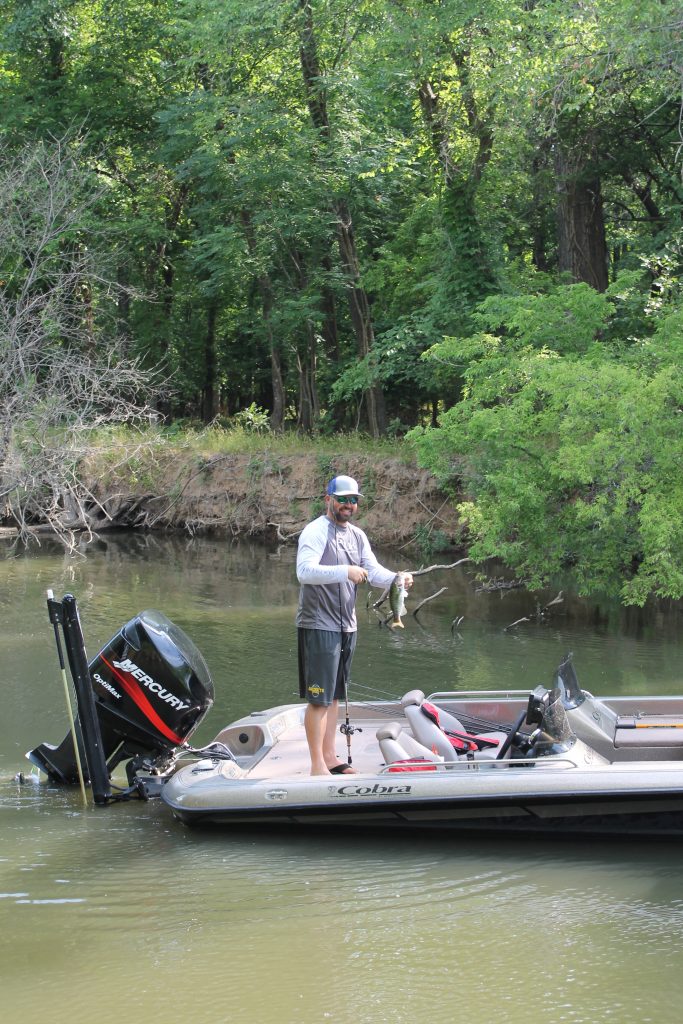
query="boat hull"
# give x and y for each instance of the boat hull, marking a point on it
(529, 800)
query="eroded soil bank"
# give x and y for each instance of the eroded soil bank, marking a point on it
(273, 496)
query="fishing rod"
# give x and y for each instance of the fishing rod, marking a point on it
(346, 728)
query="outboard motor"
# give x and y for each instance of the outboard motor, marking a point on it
(151, 687)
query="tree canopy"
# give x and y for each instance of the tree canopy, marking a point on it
(461, 216)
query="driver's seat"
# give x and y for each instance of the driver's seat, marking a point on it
(444, 734)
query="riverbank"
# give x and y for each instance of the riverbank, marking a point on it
(229, 484)
(274, 497)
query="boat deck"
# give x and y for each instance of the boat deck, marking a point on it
(272, 744)
(283, 751)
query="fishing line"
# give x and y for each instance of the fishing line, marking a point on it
(346, 728)
(471, 722)
(373, 691)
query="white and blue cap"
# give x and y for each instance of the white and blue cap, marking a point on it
(341, 485)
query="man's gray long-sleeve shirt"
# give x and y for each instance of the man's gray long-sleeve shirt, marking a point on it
(327, 599)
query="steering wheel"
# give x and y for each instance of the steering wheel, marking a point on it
(509, 739)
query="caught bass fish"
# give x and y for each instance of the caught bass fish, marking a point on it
(397, 601)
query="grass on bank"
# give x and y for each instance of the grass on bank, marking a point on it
(146, 459)
(238, 440)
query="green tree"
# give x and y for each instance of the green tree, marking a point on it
(307, 195)
(566, 446)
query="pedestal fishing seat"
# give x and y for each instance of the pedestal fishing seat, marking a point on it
(445, 734)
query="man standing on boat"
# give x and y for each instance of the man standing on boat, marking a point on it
(334, 556)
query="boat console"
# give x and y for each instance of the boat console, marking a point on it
(559, 721)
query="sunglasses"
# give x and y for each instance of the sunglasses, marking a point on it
(347, 499)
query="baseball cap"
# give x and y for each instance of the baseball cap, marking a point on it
(341, 485)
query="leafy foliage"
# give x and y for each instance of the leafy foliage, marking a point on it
(301, 199)
(570, 455)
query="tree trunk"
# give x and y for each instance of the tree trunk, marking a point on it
(211, 389)
(265, 290)
(328, 305)
(469, 271)
(308, 409)
(582, 246)
(542, 233)
(361, 318)
(277, 414)
(309, 404)
(162, 264)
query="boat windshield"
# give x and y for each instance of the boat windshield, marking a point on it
(568, 684)
(555, 735)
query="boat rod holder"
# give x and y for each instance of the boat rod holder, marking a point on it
(64, 613)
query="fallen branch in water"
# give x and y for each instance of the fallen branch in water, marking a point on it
(556, 600)
(381, 599)
(432, 568)
(420, 572)
(540, 613)
(497, 584)
(427, 600)
(517, 622)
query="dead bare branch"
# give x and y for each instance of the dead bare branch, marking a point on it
(283, 536)
(540, 613)
(63, 372)
(433, 568)
(427, 600)
(497, 585)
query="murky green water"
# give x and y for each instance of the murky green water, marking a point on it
(121, 913)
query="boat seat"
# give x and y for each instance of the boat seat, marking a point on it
(444, 734)
(398, 745)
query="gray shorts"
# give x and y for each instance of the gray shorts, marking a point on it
(324, 664)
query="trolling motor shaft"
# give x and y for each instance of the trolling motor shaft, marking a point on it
(84, 741)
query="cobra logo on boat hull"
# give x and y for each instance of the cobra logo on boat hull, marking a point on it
(151, 684)
(377, 790)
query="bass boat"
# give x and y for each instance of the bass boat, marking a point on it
(553, 759)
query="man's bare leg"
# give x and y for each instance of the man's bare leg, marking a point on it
(315, 725)
(330, 737)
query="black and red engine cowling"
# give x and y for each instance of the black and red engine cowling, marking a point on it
(152, 689)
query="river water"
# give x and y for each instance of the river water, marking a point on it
(120, 913)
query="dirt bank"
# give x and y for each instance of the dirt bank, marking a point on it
(273, 496)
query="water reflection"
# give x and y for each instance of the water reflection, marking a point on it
(121, 912)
